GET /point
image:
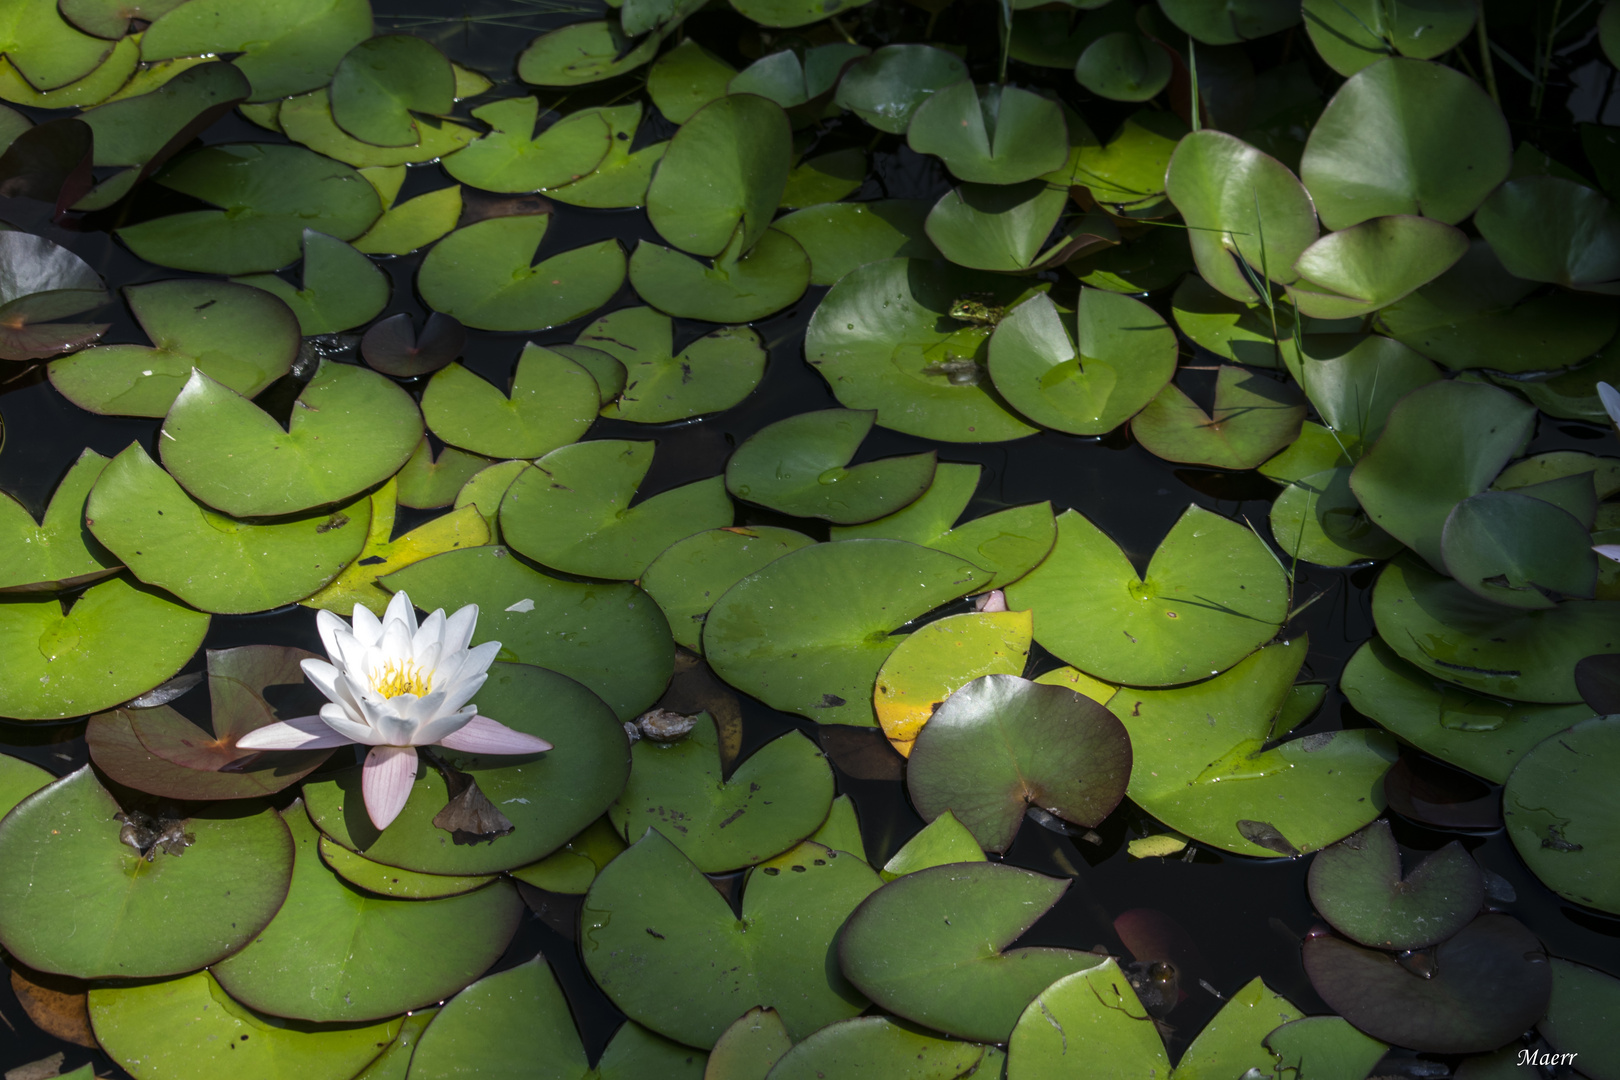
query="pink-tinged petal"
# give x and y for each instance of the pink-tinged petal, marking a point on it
(994, 600)
(443, 726)
(367, 627)
(481, 735)
(329, 625)
(302, 733)
(1608, 551)
(458, 629)
(386, 781)
(401, 611)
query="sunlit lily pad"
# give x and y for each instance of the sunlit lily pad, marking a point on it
(1563, 815)
(1091, 1017)
(1127, 173)
(1192, 743)
(991, 134)
(932, 947)
(18, 780)
(793, 12)
(95, 86)
(1518, 550)
(238, 336)
(287, 47)
(486, 489)
(1484, 986)
(333, 953)
(770, 802)
(381, 81)
(48, 50)
(941, 658)
(571, 510)
(552, 401)
(571, 868)
(583, 53)
(691, 574)
(1212, 594)
(1355, 271)
(722, 174)
(485, 275)
(610, 637)
(808, 633)
(513, 158)
(44, 281)
(406, 226)
(211, 561)
(351, 428)
(115, 641)
(713, 373)
(942, 841)
(878, 1046)
(56, 552)
(92, 907)
(607, 370)
(307, 119)
(1546, 228)
(838, 237)
(1513, 653)
(391, 881)
(800, 466)
(341, 287)
(735, 289)
(1235, 330)
(1329, 1047)
(1001, 744)
(1357, 885)
(684, 978)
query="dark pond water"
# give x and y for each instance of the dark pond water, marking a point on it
(1246, 916)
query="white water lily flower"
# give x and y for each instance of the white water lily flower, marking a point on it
(394, 686)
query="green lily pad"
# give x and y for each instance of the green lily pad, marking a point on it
(571, 868)
(1482, 734)
(99, 83)
(393, 1062)
(189, 1026)
(484, 275)
(18, 780)
(723, 174)
(381, 81)
(838, 237)
(1231, 22)
(1483, 987)
(685, 79)
(1328, 1047)
(1584, 1002)
(1240, 205)
(115, 641)
(882, 336)
(1542, 469)
(736, 289)
(1006, 228)
(800, 466)
(486, 489)
(1563, 816)
(266, 195)
(46, 49)
(44, 281)
(931, 947)
(787, 13)
(1518, 550)
(241, 337)
(1316, 450)
(427, 482)
(583, 53)
(794, 78)
(513, 158)
(90, 906)
(1443, 145)
(1127, 173)
(1237, 1036)
(1546, 228)
(1122, 355)
(307, 119)
(886, 87)
(351, 429)
(621, 179)
(341, 287)
(1357, 886)
(684, 978)
(146, 129)
(211, 561)
(384, 880)
(1512, 653)
(1008, 543)
(1189, 743)
(287, 47)
(407, 226)
(1212, 594)
(873, 1046)
(1350, 34)
(57, 552)
(1092, 1017)
(748, 1049)
(1355, 271)
(1424, 464)
(1354, 380)
(769, 803)
(713, 373)
(1233, 329)
(1318, 518)
(939, 843)
(808, 632)
(940, 659)
(1001, 744)
(551, 403)
(610, 637)
(1146, 264)
(571, 510)
(689, 575)
(548, 797)
(606, 369)
(1123, 66)
(333, 953)
(990, 135)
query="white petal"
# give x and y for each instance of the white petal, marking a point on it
(396, 642)
(478, 659)
(301, 733)
(367, 627)
(349, 652)
(441, 726)
(482, 735)
(427, 659)
(329, 625)
(345, 723)
(460, 692)
(327, 678)
(1608, 551)
(430, 632)
(419, 710)
(458, 629)
(1611, 400)
(386, 782)
(401, 611)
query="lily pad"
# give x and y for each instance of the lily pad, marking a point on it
(993, 134)
(211, 561)
(1582, 1013)
(1190, 743)
(93, 87)
(394, 348)
(44, 281)
(307, 119)
(941, 658)
(426, 482)
(608, 372)
(1092, 1016)
(238, 336)
(722, 174)
(57, 552)
(333, 953)
(1512, 653)
(1350, 34)
(1001, 744)
(931, 947)
(1563, 818)
(886, 87)
(1231, 22)
(942, 841)
(713, 373)
(48, 50)
(381, 81)
(1317, 518)
(1546, 228)
(621, 178)
(512, 157)
(793, 12)
(1357, 886)
(689, 575)
(1122, 355)
(583, 53)
(1006, 228)
(1356, 271)
(838, 237)
(685, 79)
(808, 633)
(485, 276)
(341, 287)
(1443, 145)
(116, 640)
(18, 780)
(1145, 264)
(769, 803)
(1328, 1047)
(266, 195)
(1123, 66)
(800, 466)
(1354, 380)
(92, 907)
(1483, 987)
(797, 78)
(571, 868)
(383, 880)
(1127, 173)
(670, 953)
(735, 289)
(747, 1049)
(350, 429)
(610, 637)
(406, 226)
(1211, 595)
(873, 1046)
(548, 797)
(1517, 550)
(287, 47)
(551, 403)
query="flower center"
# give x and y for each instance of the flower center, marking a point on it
(401, 677)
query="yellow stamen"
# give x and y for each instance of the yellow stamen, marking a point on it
(401, 677)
